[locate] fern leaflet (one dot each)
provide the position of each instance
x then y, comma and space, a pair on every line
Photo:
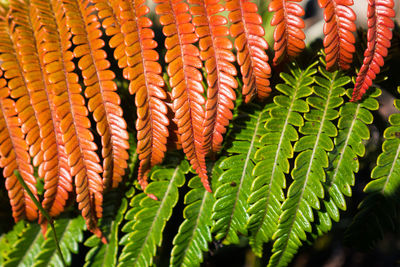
102, 254
308, 173
343, 160
230, 208
70, 234
26, 247
8, 240
147, 218
378, 210
272, 157
195, 232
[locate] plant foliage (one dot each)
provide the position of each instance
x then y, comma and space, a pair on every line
281, 175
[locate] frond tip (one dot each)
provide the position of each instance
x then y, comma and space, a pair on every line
338, 29
380, 25
288, 35
250, 46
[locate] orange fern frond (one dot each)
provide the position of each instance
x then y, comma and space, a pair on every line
215, 50
52, 27
250, 45
288, 35
380, 25
20, 89
134, 49
14, 156
184, 63
104, 102
54, 168
338, 29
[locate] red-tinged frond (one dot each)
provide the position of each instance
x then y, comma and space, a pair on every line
13, 68
54, 168
134, 44
380, 25
215, 50
14, 156
250, 45
185, 79
104, 102
51, 28
338, 29
288, 35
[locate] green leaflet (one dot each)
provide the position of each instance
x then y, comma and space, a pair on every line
378, 211
230, 208
308, 173
26, 247
272, 157
102, 254
8, 240
147, 217
343, 160
69, 233
194, 233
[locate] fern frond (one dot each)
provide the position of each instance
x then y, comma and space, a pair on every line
13, 70
8, 240
14, 156
250, 47
102, 254
288, 34
55, 41
185, 79
230, 208
70, 234
308, 173
194, 233
26, 247
134, 44
272, 157
100, 89
147, 217
378, 210
343, 160
54, 168
380, 25
338, 29
215, 51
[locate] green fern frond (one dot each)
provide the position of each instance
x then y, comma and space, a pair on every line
147, 217
272, 157
343, 160
308, 173
378, 211
8, 240
195, 232
102, 254
26, 247
70, 235
230, 208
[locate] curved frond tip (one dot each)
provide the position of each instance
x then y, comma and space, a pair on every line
338, 29
380, 25
288, 34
